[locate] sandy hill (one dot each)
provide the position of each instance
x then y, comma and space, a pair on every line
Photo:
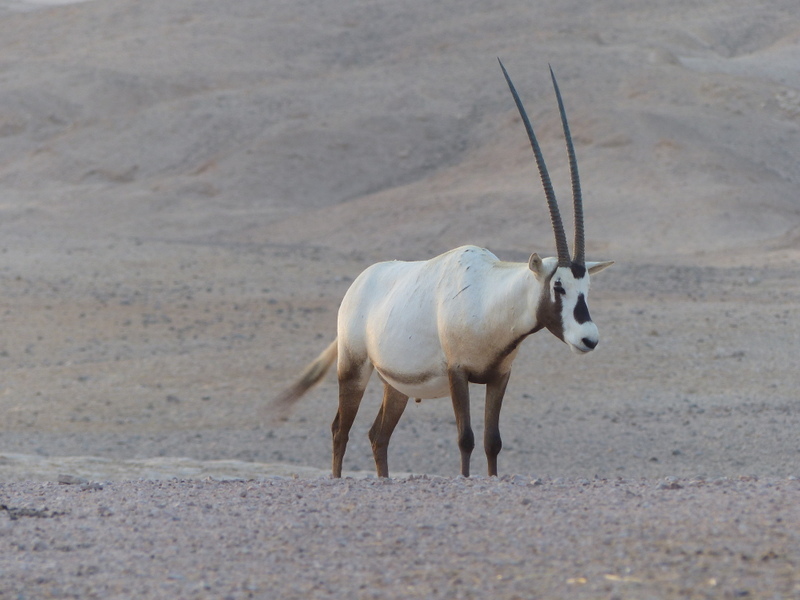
189, 186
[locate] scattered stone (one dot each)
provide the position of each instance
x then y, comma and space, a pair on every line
669, 483
36, 513
66, 479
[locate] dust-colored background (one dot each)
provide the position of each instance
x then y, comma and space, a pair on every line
188, 188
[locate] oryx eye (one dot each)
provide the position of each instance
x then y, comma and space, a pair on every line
558, 288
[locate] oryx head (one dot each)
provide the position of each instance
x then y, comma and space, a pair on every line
562, 307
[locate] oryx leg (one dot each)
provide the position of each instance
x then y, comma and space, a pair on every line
394, 403
495, 390
459, 393
353, 380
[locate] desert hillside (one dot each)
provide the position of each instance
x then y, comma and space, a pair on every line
189, 187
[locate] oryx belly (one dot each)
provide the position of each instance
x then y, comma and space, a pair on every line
429, 386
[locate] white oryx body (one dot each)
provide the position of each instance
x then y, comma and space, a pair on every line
415, 321
430, 328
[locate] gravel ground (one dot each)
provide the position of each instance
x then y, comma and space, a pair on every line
413, 537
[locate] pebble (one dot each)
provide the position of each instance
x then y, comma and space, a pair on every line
66, 479
669, 483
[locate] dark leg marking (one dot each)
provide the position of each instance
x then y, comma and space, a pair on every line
351, 390
492, 443
459, 393
394, 403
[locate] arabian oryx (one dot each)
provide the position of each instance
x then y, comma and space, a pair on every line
431, 328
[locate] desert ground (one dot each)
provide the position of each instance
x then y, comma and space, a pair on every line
188, 188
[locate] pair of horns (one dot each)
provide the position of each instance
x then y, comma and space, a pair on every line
555, 215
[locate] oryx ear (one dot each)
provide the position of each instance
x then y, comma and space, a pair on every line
535, 264
596, 267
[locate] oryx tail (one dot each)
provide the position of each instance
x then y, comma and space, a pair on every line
311, 376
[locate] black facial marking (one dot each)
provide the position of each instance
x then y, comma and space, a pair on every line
581, 312
578, 271
549, 313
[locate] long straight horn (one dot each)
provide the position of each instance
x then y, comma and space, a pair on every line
577, 198
555, 216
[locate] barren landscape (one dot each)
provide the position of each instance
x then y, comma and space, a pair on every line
188, 190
